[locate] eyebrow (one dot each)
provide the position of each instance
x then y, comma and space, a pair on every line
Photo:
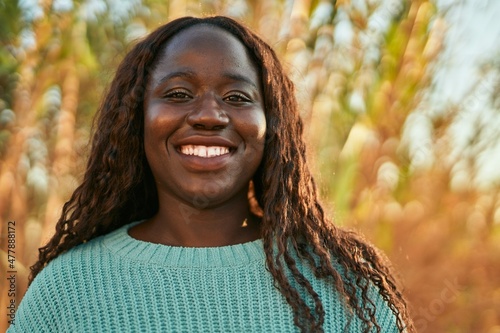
173, 75
189, 75
241, 78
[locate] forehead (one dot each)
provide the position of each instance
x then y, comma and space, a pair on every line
207, 41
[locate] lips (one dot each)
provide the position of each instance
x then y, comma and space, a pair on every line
200, 153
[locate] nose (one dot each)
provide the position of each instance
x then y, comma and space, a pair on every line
208, 114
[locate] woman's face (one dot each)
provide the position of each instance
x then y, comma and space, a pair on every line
204, 123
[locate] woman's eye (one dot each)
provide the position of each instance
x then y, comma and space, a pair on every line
177, 95
238, 98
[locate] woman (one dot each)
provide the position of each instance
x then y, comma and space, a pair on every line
197, 211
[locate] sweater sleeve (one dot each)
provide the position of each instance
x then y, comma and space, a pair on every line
386, 319
39, 308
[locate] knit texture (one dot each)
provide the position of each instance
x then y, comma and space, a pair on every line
116, 283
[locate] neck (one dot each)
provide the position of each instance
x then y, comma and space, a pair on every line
181, 224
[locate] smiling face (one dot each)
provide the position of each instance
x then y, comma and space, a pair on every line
204, 123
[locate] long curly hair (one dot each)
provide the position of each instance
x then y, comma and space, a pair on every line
118, 188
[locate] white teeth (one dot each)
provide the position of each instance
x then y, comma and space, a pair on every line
204, 151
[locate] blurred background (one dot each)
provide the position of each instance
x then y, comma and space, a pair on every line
401, 101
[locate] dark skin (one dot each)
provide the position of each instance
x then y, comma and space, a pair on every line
204, 140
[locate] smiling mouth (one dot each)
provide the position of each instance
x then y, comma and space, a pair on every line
204, 151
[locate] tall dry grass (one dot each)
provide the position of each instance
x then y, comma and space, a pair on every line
360, 74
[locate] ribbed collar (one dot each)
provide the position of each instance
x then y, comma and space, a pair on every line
122, 244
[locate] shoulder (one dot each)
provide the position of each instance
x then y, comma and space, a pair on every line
81, 260
367, 295
76, 261
78, 264
57, 287
370, 300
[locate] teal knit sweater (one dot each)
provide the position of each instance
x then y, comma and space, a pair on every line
116, 283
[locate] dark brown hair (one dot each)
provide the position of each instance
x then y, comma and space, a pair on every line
118, 188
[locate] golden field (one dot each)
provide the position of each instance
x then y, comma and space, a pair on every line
362, 74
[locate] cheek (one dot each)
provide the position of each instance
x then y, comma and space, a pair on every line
152, 120
156, 132
262, 129
150, 137
257, 127
158, 122
256, 137
150, 148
